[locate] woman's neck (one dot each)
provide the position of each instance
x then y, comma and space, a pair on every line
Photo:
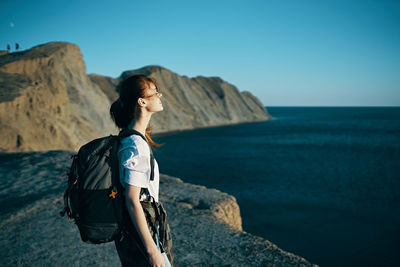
140, 124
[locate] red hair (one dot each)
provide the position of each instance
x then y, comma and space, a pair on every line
124, 109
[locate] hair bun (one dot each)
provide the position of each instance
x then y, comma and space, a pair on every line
120, 102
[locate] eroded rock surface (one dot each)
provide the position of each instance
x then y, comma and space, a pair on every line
205, 223
48, 102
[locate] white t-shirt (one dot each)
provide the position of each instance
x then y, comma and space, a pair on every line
134, 165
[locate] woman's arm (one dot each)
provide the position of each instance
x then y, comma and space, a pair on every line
138, 218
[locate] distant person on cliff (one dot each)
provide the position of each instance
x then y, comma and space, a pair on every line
139, 98
8, 47
16, 46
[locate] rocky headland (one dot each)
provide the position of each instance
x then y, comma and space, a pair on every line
48, 104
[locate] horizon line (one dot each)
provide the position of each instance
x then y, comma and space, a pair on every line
371, 106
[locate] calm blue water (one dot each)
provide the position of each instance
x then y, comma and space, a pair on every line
323, 183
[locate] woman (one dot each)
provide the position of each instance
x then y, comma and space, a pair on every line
139, 98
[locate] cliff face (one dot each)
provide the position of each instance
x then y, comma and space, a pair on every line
200, 101
48, 102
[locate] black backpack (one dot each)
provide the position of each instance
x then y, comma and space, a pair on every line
94, 195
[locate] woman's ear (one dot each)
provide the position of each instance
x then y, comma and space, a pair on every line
141, 101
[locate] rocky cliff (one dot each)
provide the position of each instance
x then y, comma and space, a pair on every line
205, 223
47, 101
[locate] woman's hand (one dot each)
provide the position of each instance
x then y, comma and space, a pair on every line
157, 258
139, 220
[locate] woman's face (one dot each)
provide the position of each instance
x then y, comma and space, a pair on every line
152, 99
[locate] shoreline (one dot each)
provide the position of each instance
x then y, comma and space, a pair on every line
167, 132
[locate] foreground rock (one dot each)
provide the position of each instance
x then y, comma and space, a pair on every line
46, 89
205, 223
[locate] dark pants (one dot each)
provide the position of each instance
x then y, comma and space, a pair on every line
131, 251
130, 247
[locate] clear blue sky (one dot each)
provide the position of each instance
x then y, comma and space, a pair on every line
287, 53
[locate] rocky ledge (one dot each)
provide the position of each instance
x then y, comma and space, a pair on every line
205, 223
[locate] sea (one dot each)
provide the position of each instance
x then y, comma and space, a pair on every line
320, 182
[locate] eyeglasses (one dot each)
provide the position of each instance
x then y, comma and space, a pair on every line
157, 93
